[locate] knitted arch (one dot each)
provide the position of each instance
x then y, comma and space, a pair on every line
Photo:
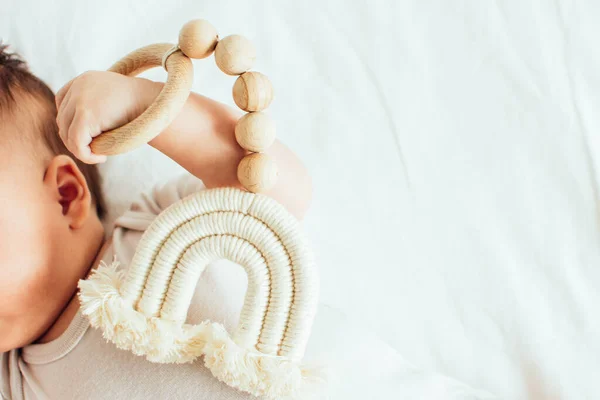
145, 310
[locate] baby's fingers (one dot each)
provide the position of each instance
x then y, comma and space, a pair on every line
80, 134
60, 95
64, 118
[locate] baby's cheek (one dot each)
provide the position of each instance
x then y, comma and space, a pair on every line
27, 239
24, 251
25, 283
22, 307
25, 300
25, 273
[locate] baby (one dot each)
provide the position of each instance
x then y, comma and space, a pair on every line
51, 232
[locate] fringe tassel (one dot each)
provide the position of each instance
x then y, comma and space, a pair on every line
163, 341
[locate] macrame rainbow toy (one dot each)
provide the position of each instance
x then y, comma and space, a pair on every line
144, 310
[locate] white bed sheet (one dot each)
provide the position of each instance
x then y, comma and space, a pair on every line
455, 153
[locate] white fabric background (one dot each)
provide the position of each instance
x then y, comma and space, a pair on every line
454, 149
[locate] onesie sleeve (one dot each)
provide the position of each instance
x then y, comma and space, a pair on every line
145, 209
165, 194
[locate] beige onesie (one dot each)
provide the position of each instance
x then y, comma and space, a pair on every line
80, 364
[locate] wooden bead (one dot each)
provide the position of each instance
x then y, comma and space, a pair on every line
255, 131
257, 172
198, 38
252, 91
235, 54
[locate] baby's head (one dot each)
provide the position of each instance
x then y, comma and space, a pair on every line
50, 209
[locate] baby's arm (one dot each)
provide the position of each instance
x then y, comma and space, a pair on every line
201, 139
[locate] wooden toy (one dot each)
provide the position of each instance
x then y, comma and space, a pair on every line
255, 132
144, 309
235, 55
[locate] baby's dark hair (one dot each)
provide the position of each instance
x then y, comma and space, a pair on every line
18, 84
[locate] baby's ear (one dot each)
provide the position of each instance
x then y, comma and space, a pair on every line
70, 188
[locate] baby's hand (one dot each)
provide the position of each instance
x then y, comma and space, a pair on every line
90, 104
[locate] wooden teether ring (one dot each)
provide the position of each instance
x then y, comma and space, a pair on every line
252, 92
165, 108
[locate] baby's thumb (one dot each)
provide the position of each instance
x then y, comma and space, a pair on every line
80, 134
